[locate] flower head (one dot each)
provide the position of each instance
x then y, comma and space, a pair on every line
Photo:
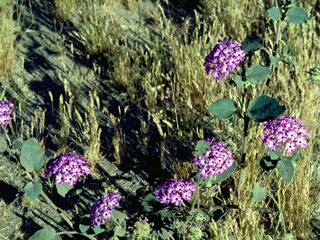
67, 168
216, 160
102, 208
174, 191
287, 131
224, 58
6, 108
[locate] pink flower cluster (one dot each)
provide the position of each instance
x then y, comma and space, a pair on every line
102, 208
6, 108
285, 130
224, 58
174, 191
67, 167
216, 160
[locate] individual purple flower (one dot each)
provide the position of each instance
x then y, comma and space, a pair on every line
6, 108
287, 131
174, 191
216, 160
224, 58
67, 167
102, 208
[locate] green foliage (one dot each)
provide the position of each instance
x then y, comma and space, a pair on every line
63, 189
223, 176
286, 50
142, 230
264, 108
296, 15
257, 73
274, 13
201, 147
47, 233
259, 193
285, 168
31, 155
33, 190
274, 155
3, 144
17, 144
119, 218
223, 108
267, 163
251, 44
147, 202
238, 81
86, 228
274, 60
3, 91
315, 74
195, 233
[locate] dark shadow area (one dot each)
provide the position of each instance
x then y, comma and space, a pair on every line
8, 193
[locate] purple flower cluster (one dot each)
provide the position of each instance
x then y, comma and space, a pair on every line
216, 160
224, 58
285, 130
6, 108
102, 208
174, 191
67, 168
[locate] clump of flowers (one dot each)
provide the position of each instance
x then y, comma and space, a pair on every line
224, 58
6, 108
67, 167
102, 208
287, 131
216, 160
175, 191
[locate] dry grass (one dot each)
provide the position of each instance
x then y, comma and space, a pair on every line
171, 76
7, 38
166, 75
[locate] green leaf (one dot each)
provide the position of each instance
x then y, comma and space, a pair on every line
17, 144
223, 108
201, 147
264, 108
252, 44
259, 193
223, 176
63, 189
257, 73
274, 13
274, 60
33, 190
84, 228
119, 231
3, 91
147, 202
274, 155
238, 81
119, 217
286, 169
296, 15
286, 50
31, 155
47, 233
3, 144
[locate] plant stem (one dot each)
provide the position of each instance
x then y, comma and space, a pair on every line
7, 136
64, 215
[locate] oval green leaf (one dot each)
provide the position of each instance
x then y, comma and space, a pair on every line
63, 189
257, 73
296, 15
251, 44
274, 13
259, 193
223, 108
201, 147
47, 233
17, 144
264, 108
223, 176
31, 155
3, 144
33, 190
286, 169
